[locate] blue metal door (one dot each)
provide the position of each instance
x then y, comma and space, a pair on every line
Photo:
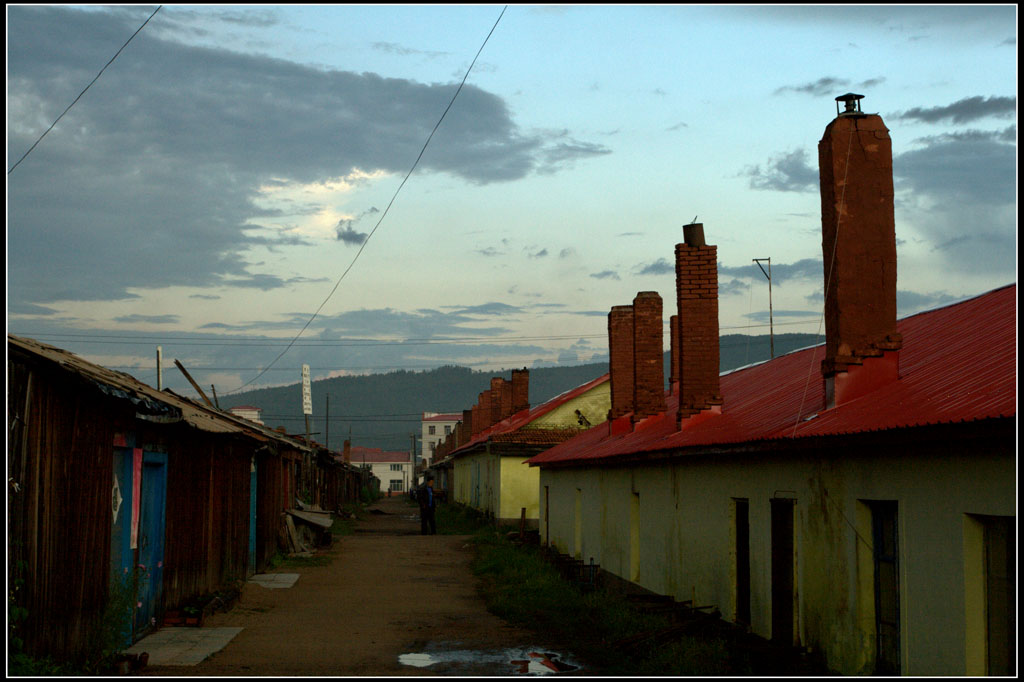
122, 555
251, 569
151, 540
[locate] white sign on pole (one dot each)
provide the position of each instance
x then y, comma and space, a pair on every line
307, 394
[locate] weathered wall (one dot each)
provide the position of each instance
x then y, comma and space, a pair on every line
685, 532
519, 486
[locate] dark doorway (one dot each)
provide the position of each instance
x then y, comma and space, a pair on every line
1000, 597
742, 560
782, 571
887, 587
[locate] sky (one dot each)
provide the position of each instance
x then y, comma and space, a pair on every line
235, 181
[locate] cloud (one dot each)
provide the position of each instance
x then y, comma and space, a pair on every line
394, 48
658, 267
489, 309
965, 110
172, 147
961, 187
787, 172
539, 254
349, 235
822, 86
567, 252
804, 269
829, 85
605, 274
733, 287
148, 319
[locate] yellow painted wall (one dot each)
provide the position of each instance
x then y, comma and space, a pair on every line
594, 404
498, 486
520, 487
682, 516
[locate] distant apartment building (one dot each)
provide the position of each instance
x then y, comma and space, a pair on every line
435, 427
249, 412
393, 469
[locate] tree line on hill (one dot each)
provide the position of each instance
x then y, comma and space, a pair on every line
384, 410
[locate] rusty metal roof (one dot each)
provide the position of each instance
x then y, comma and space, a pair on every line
150, 404
958, 364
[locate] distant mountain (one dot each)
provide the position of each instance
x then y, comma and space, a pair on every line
384, 410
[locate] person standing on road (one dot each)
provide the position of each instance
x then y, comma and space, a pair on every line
428, 503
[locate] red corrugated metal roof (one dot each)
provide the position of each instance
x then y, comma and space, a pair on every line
359, 454
524, 417
957, 364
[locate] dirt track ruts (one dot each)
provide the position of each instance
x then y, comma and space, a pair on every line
388, 591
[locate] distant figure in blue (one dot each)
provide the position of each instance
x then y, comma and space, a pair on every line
428, 503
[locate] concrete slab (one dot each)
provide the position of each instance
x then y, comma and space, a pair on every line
275, 581
183, 646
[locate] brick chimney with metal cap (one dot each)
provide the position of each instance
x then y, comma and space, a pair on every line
859, 248
697, 296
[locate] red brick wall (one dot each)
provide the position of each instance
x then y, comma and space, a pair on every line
648, 355
497, 384
620, 350
486, 411
477, 422
697, 295
858, 240
467, 427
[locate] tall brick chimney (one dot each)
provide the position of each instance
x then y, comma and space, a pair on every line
486, 413
620, 360
648, 356
477, 422
347, 452
520, 390
506, 399
496, 395
858, 243
697, 295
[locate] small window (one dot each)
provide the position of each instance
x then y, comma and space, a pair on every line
431, 430
396, 467
447, 430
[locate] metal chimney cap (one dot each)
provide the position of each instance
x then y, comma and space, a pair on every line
852, 102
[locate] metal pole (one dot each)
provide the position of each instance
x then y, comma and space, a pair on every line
771, 316
159, 368
327, 423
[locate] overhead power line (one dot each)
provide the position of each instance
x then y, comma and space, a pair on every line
23, 156
386, 209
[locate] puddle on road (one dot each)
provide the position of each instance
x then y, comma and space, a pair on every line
503, 662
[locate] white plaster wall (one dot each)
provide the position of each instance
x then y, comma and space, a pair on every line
687, 540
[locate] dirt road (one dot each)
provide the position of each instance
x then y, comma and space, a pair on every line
391, 602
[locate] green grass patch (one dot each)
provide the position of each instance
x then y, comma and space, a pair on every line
523, 588
458, 519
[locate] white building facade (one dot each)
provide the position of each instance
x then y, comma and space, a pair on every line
435, 428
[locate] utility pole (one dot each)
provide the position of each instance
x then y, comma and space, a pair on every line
159, 368
771, 321
327, 423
